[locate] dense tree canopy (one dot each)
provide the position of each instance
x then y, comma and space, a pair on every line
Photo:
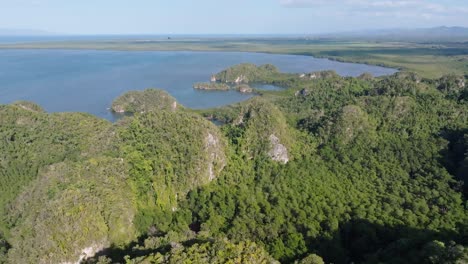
376, 173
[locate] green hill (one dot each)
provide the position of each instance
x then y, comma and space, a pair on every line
142, 101
331, 170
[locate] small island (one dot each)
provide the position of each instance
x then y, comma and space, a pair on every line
239, 77
212, 86
143, 101
216, 86
248, 73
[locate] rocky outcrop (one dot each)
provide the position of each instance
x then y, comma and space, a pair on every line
216, 157
278, 152
452, 84
189, 152
265, 131
29, 106
319, 75
239, 120
118, 109
366, 76
243, 88
302, 92
241, 79
88, 253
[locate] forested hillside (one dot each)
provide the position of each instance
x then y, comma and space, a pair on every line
328, 170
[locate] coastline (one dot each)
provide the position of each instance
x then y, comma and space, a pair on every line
424, 59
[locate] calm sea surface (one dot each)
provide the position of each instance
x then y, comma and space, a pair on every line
88, 81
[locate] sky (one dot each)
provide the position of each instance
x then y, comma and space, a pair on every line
228, 16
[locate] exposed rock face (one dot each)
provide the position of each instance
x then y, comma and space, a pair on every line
29, 106
265, 131
88, 252
278, 152
243, 88
303, 92
319, 75
451, 84
216, 160
213, 78
366, 76
460, 81
241, 79
239, 120
119, 109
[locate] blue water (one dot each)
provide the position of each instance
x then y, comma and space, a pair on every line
88, 81
77, 38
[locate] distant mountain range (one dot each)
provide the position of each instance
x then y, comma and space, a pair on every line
450, 34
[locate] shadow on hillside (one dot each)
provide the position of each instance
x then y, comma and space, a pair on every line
134, 250
357, 241
360, 241
454, 158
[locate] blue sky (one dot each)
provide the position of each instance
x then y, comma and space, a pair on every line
227, 16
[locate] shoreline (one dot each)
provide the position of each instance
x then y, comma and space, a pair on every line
208, 50
428, 60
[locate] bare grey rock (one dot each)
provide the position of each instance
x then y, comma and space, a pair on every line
303, 92
216, 160
278, 151
88, 252
241, 79
244, 88
239, 120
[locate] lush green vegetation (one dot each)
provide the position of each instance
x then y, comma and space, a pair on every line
332, 169
169, 154
201, 251
32, 140
245, 73
141, 101
212, 86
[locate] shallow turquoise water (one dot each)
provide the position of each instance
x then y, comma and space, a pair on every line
88, 81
